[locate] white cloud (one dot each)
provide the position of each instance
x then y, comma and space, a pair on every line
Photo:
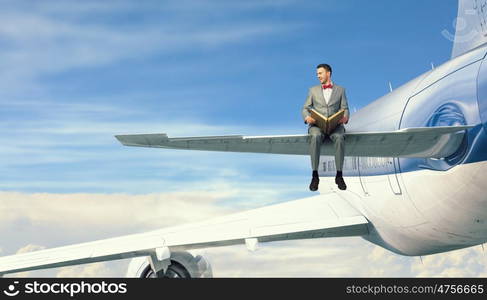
109, 210
26, 249
341, 257
30, 248
88, 270
469, 262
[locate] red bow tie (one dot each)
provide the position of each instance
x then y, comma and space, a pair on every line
327, 86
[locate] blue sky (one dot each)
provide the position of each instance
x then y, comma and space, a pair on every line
76, 73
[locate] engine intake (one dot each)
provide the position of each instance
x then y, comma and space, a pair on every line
184, 264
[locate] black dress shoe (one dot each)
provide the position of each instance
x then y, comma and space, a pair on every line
340, 182
313, 186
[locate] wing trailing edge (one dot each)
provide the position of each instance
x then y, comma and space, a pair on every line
420, 142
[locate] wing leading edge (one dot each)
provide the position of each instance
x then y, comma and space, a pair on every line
315, 217
425, 142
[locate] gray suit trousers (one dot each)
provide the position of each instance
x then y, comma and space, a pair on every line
316, 139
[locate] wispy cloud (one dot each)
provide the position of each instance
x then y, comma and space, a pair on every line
54, 39
73, 150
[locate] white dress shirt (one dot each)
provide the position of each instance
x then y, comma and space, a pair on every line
327, 93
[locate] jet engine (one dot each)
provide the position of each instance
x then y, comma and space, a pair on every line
184, 264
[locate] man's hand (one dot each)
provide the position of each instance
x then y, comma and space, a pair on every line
310, 120
344, 120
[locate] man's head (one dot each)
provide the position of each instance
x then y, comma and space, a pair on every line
323, 72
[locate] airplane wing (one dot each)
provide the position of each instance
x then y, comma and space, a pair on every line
426, 142
325, 215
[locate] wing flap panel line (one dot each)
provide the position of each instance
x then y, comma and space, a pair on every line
422, 142
237, 143
343, 231
429, 142
351, 226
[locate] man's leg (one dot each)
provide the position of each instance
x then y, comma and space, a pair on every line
316, 138
338, 138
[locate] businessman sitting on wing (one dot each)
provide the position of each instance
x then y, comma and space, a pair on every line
326, 98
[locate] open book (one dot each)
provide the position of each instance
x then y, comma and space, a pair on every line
327, 124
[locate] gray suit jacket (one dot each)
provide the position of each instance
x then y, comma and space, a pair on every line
315, 99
